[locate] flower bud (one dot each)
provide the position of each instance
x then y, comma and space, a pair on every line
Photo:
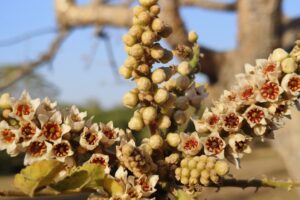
200, 165
147, 148
170, 84
157, 25
127, 149
137, 51
184, 180
221, 168
173, 139
195, 173
130, 62
125, 72
184, 162
215, 179
148, 3
173, 158
184, 68
136, 123
155, 10
164, 122
138, 9
156, 141
136, 31
167, 57
129, 40
157, 52
193, 181
144, 18
205, 174
130, 99
5, 113
161, 96
196, 101
5, 101
279, 54
166, 32
288, 65
182, 103
180, 117
144, 69
182, 82
193, 37
192, 164
158, 76
149, 114
185, 172
143, 84
148, 38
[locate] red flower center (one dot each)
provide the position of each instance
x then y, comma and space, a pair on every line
269, 68
255, 115
270, 91
231, 120
144, 183
37, 149
23, 109
213, 120
27, 131
52, 131
108, 132
191, 144
241, 145
247, 93
61, 150
8, 136
98, 160
294, 84
214, 144
91, 138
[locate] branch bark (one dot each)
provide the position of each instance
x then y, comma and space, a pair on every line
26, 68
207, 4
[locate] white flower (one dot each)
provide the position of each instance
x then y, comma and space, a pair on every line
8, 139
212, 120
239, 145
147, 184
90, 137
76, 119
25, 107
61, 150
246, 88
269, 92
28, 132
190, 144
278, 111
232, 121
36, 151
255, 115
54, 128
230, 98
101, 159
46, 109
110, 134
291, 84
269, 69
214, 145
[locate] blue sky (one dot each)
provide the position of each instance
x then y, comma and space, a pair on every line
69, 72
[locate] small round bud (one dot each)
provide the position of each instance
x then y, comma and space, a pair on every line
137, 10
130, 99
170, 84
221, 168
166, 32
196, 100
136, 31
184, 180
215, 179
205, 174
127, 149
204, 181
155, 10
195, 173
173, 158
5, 113
203, 158
192, 164
143, 84
193, 181
125, 72
144, 18
180, 117
184, 68
157, 25
178, 171
211, 159
167, 57
173, 139
147, 148
157, 52
182, 82
279, 54
161, 96
164, 122
200, 166
185, 172
148, 38
288, 65
129, 40
136, 123
158, 76
148, 3
144, 69
149, 114
182, 103
131, 62
184, 163
193, 37
209, 165
137, 51
156, 141
5, 101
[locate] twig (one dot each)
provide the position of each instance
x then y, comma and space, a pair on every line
26, 36
207, 4
25, 68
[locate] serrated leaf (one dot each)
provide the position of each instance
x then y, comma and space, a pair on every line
111, 186
37, 175
74, 182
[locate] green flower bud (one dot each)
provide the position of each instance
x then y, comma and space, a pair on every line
178, 171
136, 123
184, 180
288, 65
185, 172
158, 76
195, 173
193, 181
204, 181
164, 122
205, 174
173, 139
192, 164
184, 163
149, 114
200, 165
143, 84
221, 168
130, 99
156, 141
125, 72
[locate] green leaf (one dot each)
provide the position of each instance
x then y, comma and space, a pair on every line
37, 175
96, 174
182, 195
72, 183
112, 186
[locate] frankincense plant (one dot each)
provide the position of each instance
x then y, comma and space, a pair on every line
68, 152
